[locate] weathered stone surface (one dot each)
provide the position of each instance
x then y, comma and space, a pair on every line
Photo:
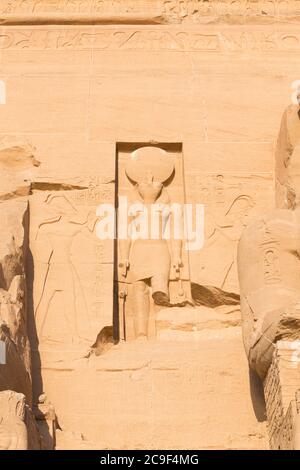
148, 11
269, 274
46, 423
88, 83
269, 285
18, 430
13, 427
173, 381
16, 163
282, 396
15, 374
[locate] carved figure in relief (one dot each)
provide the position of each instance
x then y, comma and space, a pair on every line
146, 259
61, 276
223, 229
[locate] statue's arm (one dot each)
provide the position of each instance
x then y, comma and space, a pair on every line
176, 239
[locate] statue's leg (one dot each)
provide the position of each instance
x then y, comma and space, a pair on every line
141, 304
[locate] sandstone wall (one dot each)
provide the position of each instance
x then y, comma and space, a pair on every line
212, 75
83, 76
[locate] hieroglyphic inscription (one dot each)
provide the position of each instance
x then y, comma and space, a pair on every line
106, 38
94, 196
270, 257
90, 199
100, 281
271, 262
161, 38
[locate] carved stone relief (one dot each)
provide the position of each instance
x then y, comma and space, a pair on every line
148, 39
74, 279
160, 11
147, 72
150, 179
231, 202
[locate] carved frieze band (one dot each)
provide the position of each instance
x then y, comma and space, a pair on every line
148, 11
147, 38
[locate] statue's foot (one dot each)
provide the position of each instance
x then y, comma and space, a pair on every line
161, 298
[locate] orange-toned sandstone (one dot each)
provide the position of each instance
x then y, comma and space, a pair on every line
140, 345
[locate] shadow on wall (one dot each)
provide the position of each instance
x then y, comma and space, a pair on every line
104, 341
257, 396
37, 383
209, 296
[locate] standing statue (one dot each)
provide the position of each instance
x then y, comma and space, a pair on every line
286, 158
146, 259
268, 258
269, 275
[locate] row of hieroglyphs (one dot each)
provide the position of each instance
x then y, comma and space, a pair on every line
77, 6
174, 9
107, 38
